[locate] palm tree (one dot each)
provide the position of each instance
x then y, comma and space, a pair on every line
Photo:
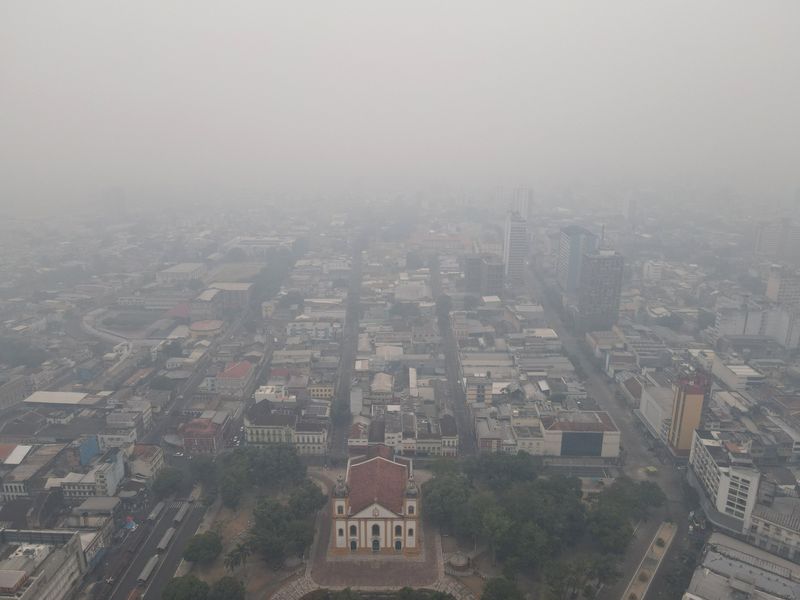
238, 557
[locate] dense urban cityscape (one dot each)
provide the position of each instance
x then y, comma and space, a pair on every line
264, 401
358, 300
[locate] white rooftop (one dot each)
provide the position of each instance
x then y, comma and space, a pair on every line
44, 397
17, 455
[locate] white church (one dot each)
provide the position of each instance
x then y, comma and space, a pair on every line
375, 509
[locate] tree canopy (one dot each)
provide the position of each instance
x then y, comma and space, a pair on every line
188, 587
276, 465
529, 521
203, 548
168, 481
282, 530
15, 353
500, 588
226, 588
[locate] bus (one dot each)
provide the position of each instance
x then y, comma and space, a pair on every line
165, 540
179, 516
148, 570
154, 514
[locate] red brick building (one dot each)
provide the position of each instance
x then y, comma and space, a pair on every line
202, 436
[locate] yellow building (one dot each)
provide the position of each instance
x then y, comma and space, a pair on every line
687, 411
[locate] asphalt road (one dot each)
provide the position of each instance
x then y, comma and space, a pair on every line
347, 356
457, 398
168, 562
636, 452
172, 558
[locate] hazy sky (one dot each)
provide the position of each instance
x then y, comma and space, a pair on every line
172, 99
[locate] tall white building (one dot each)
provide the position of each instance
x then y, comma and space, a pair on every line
726, 474
780, 322
522, 202
652, 270
783, 286
515, 247
574, 242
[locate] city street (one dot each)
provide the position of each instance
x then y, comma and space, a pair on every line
168, 562
467, 445
347, 356
636, 453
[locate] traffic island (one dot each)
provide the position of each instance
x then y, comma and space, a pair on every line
640, 583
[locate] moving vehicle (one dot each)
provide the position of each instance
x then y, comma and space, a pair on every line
148, 570
165, 540
179, 516
156, 512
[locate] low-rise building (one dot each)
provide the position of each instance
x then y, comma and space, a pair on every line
146, 461
321, 391
28, 476
206, 306
731, 570
776, 527
736, 377
40, 564
275, 394
102, 479
580, 433
202, 436
310, 437
235, 295
181, 273
235, 379
116, 438
264, 426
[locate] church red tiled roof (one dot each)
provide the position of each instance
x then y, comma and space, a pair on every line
377, 480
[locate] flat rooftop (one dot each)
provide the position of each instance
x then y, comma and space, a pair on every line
231, 286
34, 462
579, 421
66, 398
184, 268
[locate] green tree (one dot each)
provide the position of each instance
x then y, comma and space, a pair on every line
298, 535
231, 489
238, 556
306, 499
495, 526
188, 587
499, 471
15, 353
203, 548
441, 498
168, 481
526, 548
226, 588
500, 588
610, 528
202, 468
581, 575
